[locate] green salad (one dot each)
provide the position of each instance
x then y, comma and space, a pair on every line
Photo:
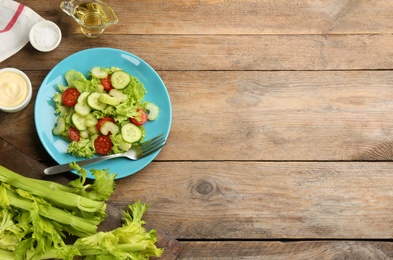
102, 114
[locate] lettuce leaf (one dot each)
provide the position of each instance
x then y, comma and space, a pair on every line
83, 148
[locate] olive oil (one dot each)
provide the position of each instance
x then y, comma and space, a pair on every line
93, 16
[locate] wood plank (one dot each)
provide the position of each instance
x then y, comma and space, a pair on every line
253, 250
237, 17
328, 115
239, 52
280, 115
265, 200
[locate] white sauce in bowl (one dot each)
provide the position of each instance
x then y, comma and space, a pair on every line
13, 89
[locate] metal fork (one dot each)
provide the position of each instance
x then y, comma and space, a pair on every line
136, 152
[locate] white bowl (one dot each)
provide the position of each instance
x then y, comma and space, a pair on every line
7, 86
45, 36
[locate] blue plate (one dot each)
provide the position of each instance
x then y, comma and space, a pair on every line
44, 111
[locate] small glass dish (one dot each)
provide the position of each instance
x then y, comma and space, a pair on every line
93, 16
15, 90
45, 36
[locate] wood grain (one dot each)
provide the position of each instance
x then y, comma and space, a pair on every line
254, 250
237, 17
265, 200
230, 52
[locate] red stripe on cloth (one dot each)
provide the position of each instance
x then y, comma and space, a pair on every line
13, 19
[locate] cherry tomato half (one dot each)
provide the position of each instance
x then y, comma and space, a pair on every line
103, 144
74, 134
70, 96
106, 82
141, 119
103, 120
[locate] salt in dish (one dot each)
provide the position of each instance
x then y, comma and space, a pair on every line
45, 36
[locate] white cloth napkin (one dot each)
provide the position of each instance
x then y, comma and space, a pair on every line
16, 21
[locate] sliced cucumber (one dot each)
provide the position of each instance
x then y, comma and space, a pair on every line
109, 127
107, 99
121, 97
94, 102
91, 120
153, 111
100, 88
131, 133
79, 121
60, 126
81, 107
82, 99
97, 72
124, 146
84, 133
120, 79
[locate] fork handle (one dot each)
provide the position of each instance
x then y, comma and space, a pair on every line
66, 167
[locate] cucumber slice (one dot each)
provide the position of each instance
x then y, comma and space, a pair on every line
83, 97
94, 102
107, 99
99, 73
60, 126
91, 120
109, 127
131, 133
120, 79
79, 121
121, 97
100, 88
81, 107
84, 134
152, 111
124, 146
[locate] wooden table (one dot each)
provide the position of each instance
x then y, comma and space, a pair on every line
282, 134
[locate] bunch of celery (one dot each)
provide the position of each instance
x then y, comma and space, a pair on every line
36, 216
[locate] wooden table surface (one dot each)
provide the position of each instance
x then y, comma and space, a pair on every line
282, 131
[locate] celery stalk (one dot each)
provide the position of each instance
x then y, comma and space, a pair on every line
79, 224
34, 219
6, 255
54, 185
57, 197
115, 244
84, 250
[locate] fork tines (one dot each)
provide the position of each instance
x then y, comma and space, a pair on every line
152, 145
